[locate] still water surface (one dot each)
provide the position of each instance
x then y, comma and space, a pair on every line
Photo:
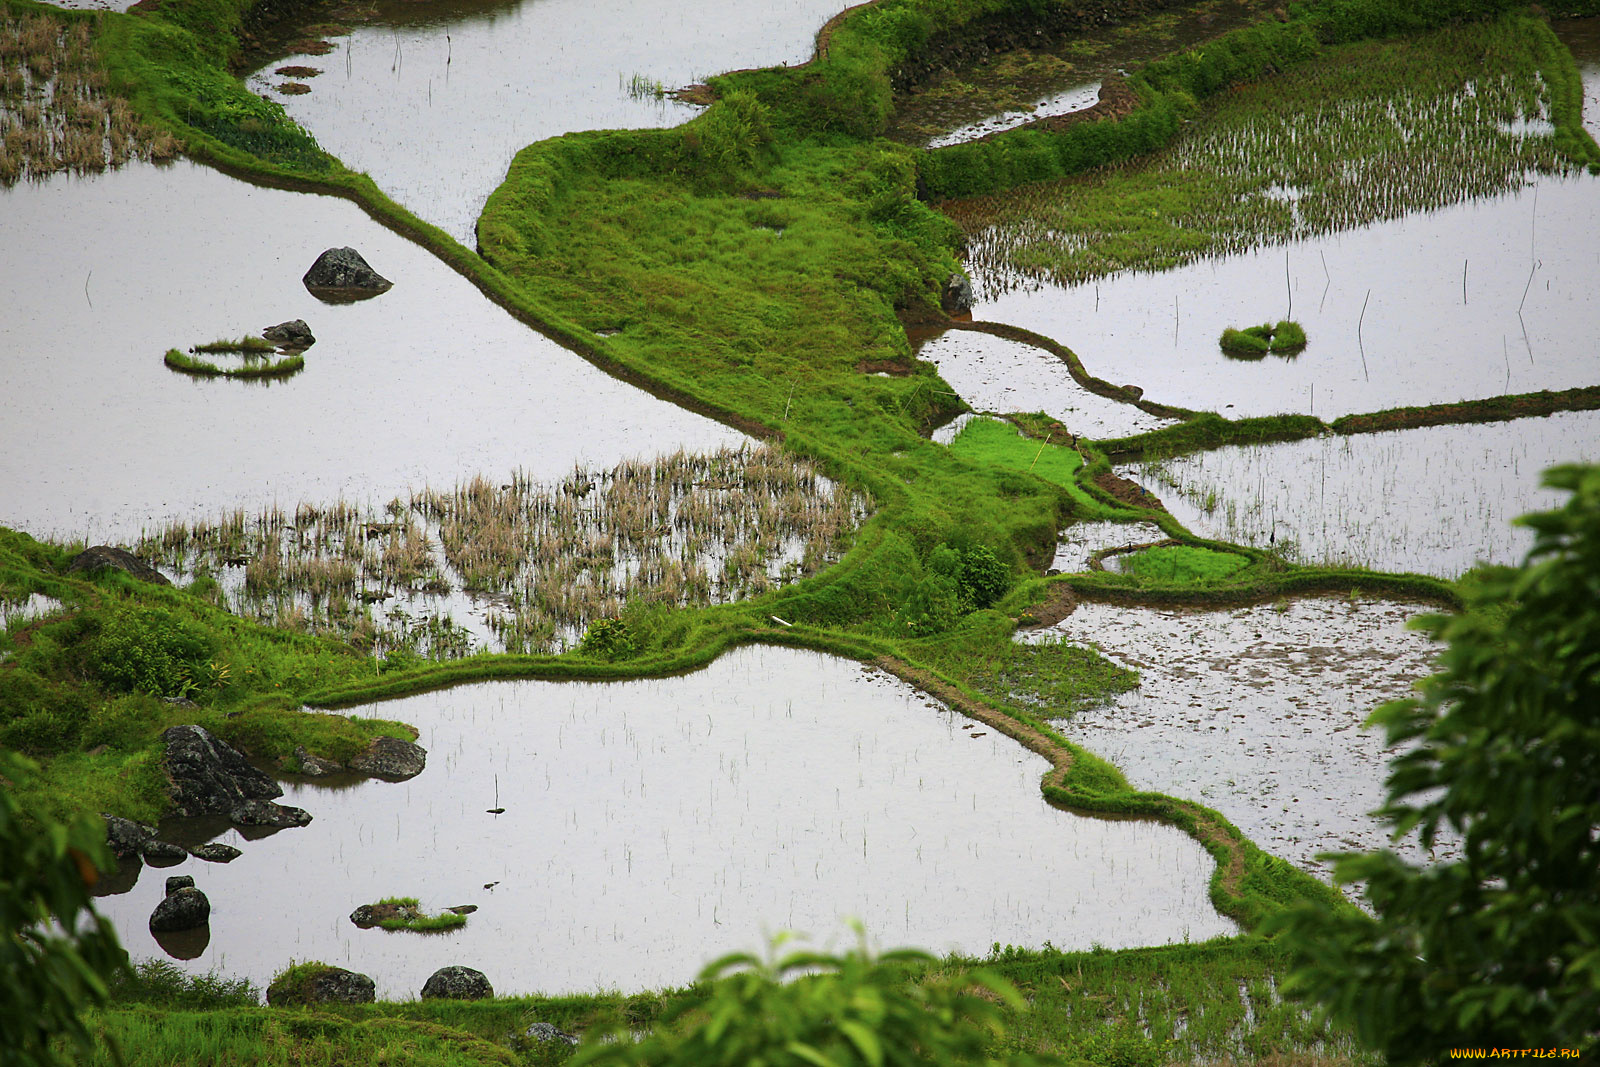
428, 383
652, 825
434, 100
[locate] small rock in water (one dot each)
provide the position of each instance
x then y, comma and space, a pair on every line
340, 274
179, 881
392, 758
463, 909
370, 915
162, 854
293, 335
182, 909
126, 837
957, 297
457, 983
315, 766
267, 813
215, 852
546, 1032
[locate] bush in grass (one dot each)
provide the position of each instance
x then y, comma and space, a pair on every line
1252, 342
56, 954
608, 639
39, 718
1288, 337
807, 1008
148, 651
983, 578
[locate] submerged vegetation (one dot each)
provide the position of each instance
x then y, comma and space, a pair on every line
677, 530
56, 112
252, 367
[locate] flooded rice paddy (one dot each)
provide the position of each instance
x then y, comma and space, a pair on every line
1257, 712
650, 825
1582, 38
1003, 376
1005, 90
434, 100
428, 383
1383, 308
1083, 539
1436, 500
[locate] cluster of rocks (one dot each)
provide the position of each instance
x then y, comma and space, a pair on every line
338, 985
208, 777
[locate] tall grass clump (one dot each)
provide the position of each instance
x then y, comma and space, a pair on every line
56, 113
555, 560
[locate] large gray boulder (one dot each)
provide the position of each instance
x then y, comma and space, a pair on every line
101, 557
208, 776
340, 274
328, 984
456, 983
182, 909
392, 758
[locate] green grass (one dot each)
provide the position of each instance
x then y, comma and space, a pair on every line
1288, 338
1252, 342
247, 343
1000, 444
412, 918
1370, 131
200, 368
1182, 565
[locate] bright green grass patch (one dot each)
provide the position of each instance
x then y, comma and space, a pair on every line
409, 916
998, 443
1252, 342
1288, 337
247, 343
271, 368
1181, 565
1370, 131
262, 1037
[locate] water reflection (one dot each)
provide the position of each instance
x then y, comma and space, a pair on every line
434, 106
1384, 309
651, 825
430, 382
1436, 500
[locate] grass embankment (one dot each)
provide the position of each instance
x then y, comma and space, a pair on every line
1207, 1002
1365, 131
88, 689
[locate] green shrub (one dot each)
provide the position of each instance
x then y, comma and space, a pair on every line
1252, 342
146, 650
1288, 338
984, 579
732, 135
608, 639
39, 718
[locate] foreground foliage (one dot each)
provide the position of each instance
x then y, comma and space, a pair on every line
56, 955
1502, 947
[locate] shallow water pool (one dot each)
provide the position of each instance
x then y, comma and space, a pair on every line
652, 825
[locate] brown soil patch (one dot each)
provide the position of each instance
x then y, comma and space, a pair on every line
1060, 602
1128, 492
294, 88
313, 48
885, 366
298, 72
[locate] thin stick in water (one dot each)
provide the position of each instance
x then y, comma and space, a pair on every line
1359, 342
